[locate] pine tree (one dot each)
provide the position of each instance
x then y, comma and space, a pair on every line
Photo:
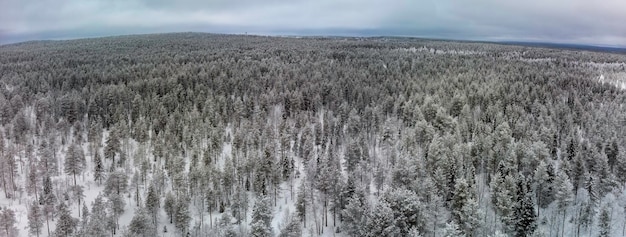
141, 224
301, 203
544, 188
452, 230
620, 167
585, 216
564, 195
35, 219
98, 172
117, 182
504, 191
84, 222
112, 146
181, 214
48, 199
604, 223
152, 204
116, 205
169, 205
74, 161
293, 228
261, 218
355, 216
7, 222
406, 208
605, 176
97, 221
381, 221
66, 225
525, 211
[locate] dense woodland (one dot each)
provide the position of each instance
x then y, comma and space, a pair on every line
192, 134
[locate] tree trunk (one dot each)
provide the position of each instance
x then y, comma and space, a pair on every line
325, 211
47, 224
563, 224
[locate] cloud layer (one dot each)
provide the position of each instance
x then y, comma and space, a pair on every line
566, 21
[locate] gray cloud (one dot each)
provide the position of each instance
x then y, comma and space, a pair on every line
567, 21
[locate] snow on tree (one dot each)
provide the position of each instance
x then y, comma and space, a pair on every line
98, 172
260, 225
74, 161
117, 182
544, 178
112, 146
7, 222
66, 224
407, 210
292, 229
525, 212
604, 223
97, 221
116, 206
84, 222
141, 225
182, 215
35, 219
452, 230
504, 192
381, 221
48, 200
77, 193
564, 195
465, 208
355, 216
169, 205
152, 204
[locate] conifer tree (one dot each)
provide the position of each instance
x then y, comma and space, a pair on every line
169, 205
35, 219
7, 222
181, 214
141, 225
66, 224
525, 212
98, 172
74, 161
604, 223
97, 222
564, 195
292, 229
153, 204
260, 225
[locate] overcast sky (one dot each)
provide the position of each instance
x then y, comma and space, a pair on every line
562, 21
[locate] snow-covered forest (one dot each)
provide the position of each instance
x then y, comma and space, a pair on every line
191, 134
